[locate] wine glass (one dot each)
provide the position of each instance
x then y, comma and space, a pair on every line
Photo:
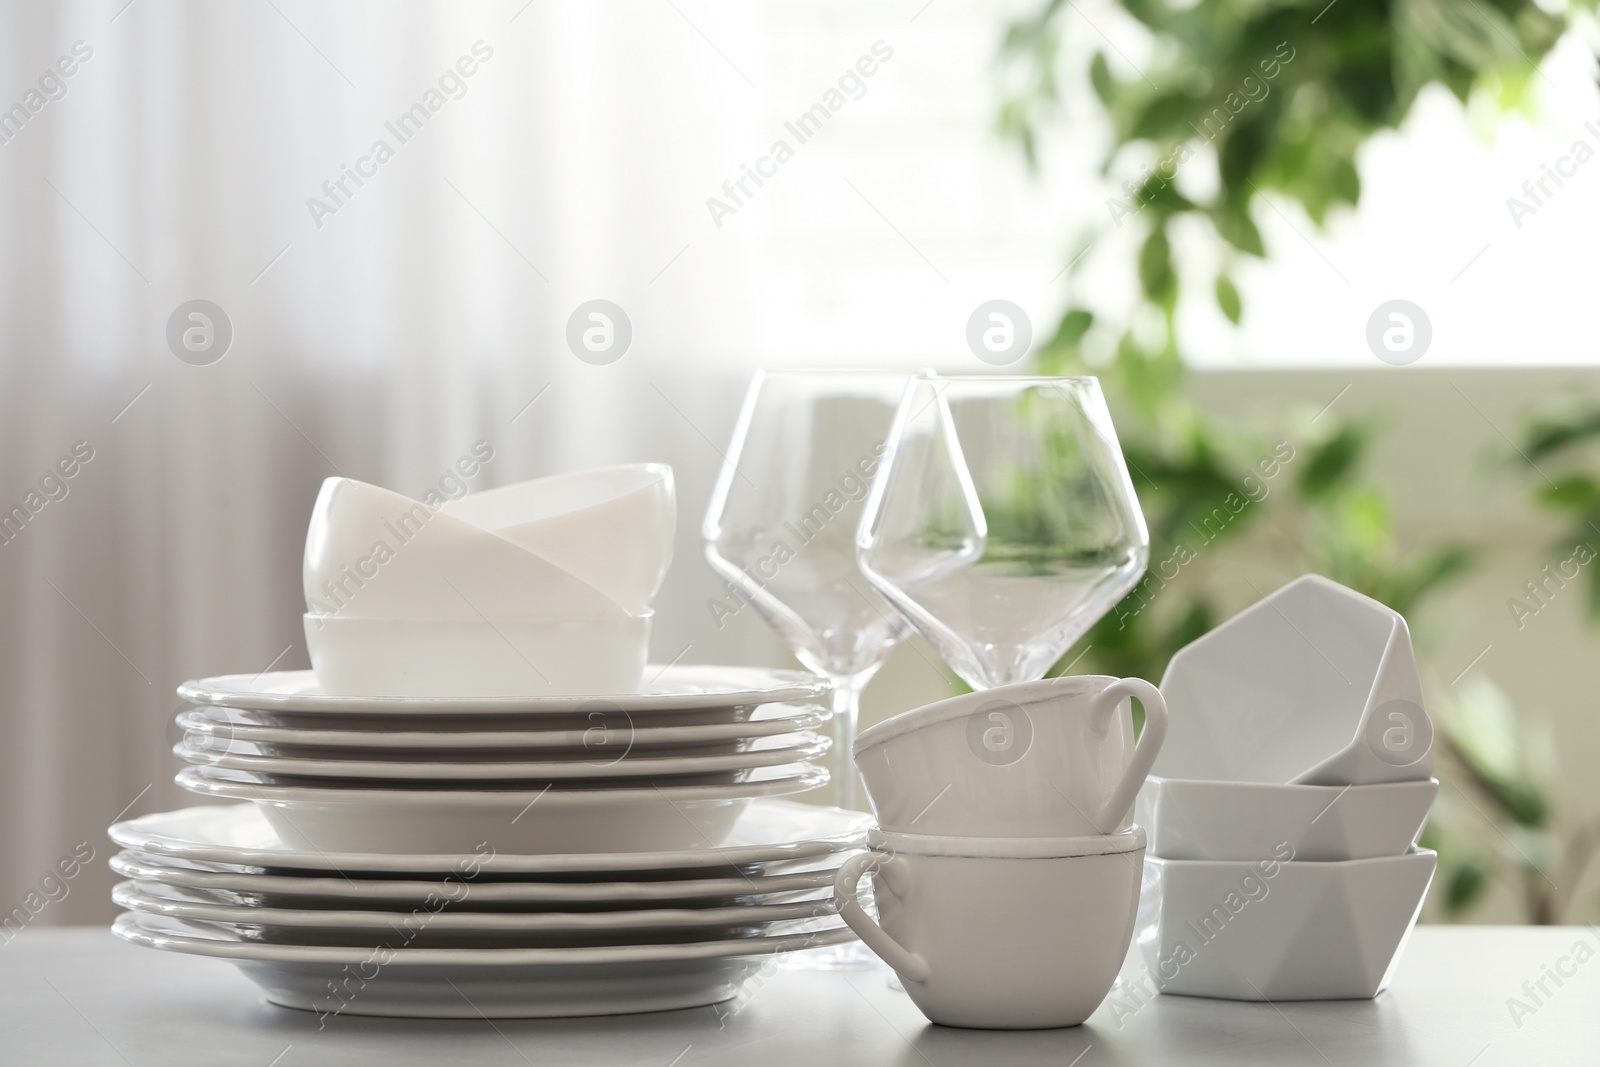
1002, 521
782, 523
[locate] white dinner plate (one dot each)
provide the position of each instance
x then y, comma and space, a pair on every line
688, 687
246, 885
551, 819
768, 831
768, 720
591, 765
442, 917
480, 983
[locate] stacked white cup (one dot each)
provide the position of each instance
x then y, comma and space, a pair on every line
1006, 870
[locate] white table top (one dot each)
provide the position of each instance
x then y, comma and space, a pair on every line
78, 997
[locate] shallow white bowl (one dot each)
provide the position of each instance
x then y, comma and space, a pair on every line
547, 820
378, 554
1200, 820
1314, 685
477, 658
612, 527
1273, 930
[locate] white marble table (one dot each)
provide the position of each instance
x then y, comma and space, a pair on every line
78, 997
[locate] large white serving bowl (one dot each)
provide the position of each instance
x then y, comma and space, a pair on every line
612, 527
547, 820
1272, 930
359, 656
673, 695
378, 554
477, 983
599, 729
1199, 820
241, 885
591, 766
1314, 684
770, 831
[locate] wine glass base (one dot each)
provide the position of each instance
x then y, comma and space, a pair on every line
852, 956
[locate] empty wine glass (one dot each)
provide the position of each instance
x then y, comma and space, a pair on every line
782, 524
1002, 522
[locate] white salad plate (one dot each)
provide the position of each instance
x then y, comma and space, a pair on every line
527, 821
332, 890
769, 720
479, 983
599, 763
443, 917
768, 831
683, 687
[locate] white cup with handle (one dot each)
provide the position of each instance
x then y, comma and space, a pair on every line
1053, 758
999, 933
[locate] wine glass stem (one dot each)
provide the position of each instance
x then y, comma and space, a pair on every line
846, 713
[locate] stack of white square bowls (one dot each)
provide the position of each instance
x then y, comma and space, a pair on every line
1006, 872
1283, 812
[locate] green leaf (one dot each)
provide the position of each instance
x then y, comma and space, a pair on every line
1549, 436
1234, 225
1331, 462
1466, 886
1105, 86
1156, 276
1572, 493
1165, 118
1228, 298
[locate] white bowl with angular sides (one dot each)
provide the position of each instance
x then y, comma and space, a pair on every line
1314, 684
1053, 758
1278, 929
378, 554
612, 527
358, 656
1199, 820
999, 934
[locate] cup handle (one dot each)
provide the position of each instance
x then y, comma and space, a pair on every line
910, 965
1115, 809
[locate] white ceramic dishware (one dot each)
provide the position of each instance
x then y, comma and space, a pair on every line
770, 883
547, 819
612, 527
470, 658
483, 983
1314, 684
673, 695
1200, 820
768, 831
377, 554
1277, 929
1053, 758
227, 727
589, 764
999, 933
444, 920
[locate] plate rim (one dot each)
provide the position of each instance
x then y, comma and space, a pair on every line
136, 834
245, 691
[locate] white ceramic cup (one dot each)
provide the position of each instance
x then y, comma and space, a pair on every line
1053, 758
999, 934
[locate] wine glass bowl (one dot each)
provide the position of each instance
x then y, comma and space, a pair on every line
1002, 521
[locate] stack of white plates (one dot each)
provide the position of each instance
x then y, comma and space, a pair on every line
506, 856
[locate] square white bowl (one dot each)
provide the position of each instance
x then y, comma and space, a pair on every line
1279, 930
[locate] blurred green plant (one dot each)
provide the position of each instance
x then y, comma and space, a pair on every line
1273, 98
